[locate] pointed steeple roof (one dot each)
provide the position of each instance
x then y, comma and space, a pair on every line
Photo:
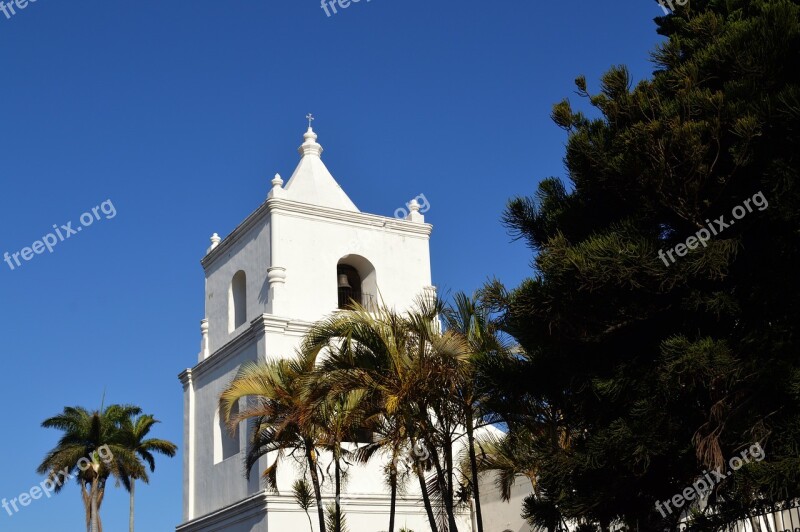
311, 181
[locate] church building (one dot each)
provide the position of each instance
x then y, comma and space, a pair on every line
305, 252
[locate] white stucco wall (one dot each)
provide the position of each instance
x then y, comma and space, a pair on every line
307, 242
247, 250
289, 248
311, 244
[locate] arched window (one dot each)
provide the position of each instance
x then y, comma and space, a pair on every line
237, 302
225, 444
355, 282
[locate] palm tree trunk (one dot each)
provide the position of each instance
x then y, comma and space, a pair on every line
87, 506
473, 462
93, 495
426, 499
338, 522
312, 466
393, 497
448, 456
444, 485
130, 518
101, 492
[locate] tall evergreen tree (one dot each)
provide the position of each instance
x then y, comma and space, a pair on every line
666, 339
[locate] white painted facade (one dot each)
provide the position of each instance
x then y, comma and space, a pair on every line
266, 283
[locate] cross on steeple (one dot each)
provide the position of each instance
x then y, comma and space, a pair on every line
310, 119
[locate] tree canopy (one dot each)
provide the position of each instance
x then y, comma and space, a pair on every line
658, 370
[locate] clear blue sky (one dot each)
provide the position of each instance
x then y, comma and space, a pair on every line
180, 112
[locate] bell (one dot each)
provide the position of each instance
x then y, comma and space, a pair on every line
343, 282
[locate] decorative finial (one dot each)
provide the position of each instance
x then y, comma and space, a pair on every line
310, 146
277, 187
414, 214
215, 240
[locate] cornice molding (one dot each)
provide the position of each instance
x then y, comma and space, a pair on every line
283, 325
185, 377
354, 503
262, 324
306, 210
316, 212
252, 506
233, 346
226, 243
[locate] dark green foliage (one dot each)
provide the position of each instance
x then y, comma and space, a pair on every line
335, 519
542, 514
659, 371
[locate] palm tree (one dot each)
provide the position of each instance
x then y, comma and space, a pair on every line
446, 357
517, 453
389, 437
509, 456
340, 418
88, 436
405, 366
368, 352
536, 427
351, 367
281, 415
134, 436
467, 317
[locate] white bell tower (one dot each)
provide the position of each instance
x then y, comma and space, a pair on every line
302, 254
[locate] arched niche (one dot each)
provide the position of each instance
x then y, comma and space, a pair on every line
356, 280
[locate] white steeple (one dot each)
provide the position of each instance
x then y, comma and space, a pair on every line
311, 181
303, 254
